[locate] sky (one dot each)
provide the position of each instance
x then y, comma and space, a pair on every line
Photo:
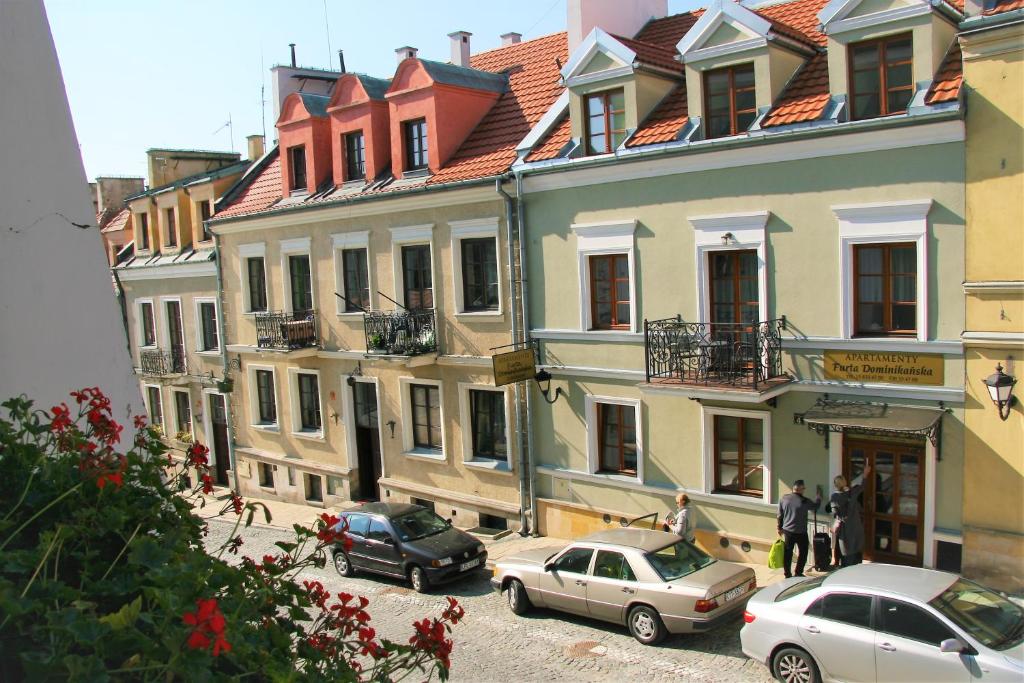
170, 73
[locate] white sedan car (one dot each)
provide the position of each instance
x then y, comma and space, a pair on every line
879, 622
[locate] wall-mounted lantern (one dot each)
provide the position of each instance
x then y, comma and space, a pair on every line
543, 379
1000, 390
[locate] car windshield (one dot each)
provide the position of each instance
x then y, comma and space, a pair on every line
418, 524
798, 588
992, 619
678, 560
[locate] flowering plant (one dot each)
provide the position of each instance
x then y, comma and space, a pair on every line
104, 569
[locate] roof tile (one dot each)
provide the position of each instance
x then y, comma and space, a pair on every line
665, 122
552, 144
946, 86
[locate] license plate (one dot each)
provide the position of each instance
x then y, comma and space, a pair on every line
469, 565
735, 592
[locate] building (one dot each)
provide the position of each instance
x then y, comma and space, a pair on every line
744, 246
114, 220
366, 271
992, 40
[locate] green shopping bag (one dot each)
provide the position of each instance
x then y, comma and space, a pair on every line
776, 554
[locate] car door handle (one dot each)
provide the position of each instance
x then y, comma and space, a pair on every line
580, 583
628, 590
887, 647
812, 629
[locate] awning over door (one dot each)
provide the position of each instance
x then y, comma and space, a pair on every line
872, 418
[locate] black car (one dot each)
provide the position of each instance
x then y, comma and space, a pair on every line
409, 541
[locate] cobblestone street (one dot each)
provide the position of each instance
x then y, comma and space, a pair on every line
492, 644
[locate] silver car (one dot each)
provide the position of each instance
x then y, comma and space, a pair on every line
880, 622
652, 581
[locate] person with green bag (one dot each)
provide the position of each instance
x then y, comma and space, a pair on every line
776, 554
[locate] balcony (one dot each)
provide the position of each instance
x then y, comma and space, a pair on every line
400, 333
160, 363
283, 331
745, 356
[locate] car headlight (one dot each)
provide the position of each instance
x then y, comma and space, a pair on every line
480, 548
443, 562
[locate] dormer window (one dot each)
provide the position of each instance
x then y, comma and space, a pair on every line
297, 161
606, 121
143, 231
205, 211
881, 76
172, 229
355, 156
730, 101
415, 137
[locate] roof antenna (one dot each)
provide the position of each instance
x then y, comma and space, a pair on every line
292, 46
327, 30
341, 58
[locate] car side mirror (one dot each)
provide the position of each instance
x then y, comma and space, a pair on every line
954, 645
387, 540
549, 566
448, 521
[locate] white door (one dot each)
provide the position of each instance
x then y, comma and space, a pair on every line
907, 642
837, 630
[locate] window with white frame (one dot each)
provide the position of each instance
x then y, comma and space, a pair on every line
412, 253
147, 323
297, 270
252, 259
884, 269
486, 429
732, 278
422, 417
352, 271
614, 436
737, 452
207, 335
182, 413
607, 276
305, 402
476, 271
262, 395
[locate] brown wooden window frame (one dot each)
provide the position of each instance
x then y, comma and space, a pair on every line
417, 157
172, 228
155, 409
266, 396
737, 303
883, 75
147, 319
741, 438
298, 177
205, 212
415, 276
307, 385
209, 338
621, 411
615, 324
421, 416
480, 273
257, 283
608, 132
354, 144
887, 290
734, 114
144, 231
487, 410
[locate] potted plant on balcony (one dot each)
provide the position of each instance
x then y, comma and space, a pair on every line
376, 342
226, 385
184, 436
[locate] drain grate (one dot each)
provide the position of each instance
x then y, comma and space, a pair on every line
585, 649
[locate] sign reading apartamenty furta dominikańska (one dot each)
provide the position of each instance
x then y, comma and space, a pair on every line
891, 368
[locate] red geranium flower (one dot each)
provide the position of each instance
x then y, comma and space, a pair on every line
206, 621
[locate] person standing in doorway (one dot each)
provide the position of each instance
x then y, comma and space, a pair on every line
849, 523
792, 525
682, 522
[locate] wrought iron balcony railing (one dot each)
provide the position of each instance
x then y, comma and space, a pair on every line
287, 331
159, 363
401, 333
745, 355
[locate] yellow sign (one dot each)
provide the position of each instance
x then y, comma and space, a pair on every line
514, 366
892, 368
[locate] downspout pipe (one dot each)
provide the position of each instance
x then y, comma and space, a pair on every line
224, 362
524, 474
525, 307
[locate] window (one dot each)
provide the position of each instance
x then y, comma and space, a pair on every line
734, 295
885, 289
729, 102
606, 121
143, 231
881, 76
175, 336
416, 277
314, 487
415, 144
208, 323
148, 323
378, 531
487, 416
576, 561
297, 161
309, 402
156, 409
617, 438
172, 229
266, 471
257, 276
301, 283
426, 416
183, 412
266, 397
357, 280
611, 565
205, 211
739, 455
291, 476
843, 607
479, 274
798, 588
358, 524
355, 156
609, 292
909, 621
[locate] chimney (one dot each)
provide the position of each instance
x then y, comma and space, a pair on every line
613, 16
111, 191
511, 38
460, 47
405, 52
292, 47
974, 8
255, 146
341, 60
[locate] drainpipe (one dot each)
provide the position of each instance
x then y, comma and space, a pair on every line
224, 363
525, 304
524, 475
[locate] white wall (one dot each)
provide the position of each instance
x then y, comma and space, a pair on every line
60, 324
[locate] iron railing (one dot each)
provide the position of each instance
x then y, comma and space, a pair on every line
287, 331
158, 363
737, 354
400, 333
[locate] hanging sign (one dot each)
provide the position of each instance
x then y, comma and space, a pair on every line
514, 366
890, 368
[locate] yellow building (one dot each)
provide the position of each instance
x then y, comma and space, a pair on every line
992, 41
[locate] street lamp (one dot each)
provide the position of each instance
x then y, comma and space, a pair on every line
543, 379
1000, 389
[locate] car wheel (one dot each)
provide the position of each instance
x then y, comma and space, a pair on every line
793, 665
418, 579
518, 601
343, 564
646, 626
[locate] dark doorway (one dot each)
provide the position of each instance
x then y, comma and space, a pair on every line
364, 406
219, 438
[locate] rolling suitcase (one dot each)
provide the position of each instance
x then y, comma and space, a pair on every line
821, 544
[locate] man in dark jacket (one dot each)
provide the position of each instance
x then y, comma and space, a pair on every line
792, 525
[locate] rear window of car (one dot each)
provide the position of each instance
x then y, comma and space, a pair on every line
798, 588
678, 560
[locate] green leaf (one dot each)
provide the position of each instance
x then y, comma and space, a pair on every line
287, 547
125, 616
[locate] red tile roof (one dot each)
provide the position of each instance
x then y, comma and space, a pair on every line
653, 55
797, 20
259, 194
665, 122
1004, 6
670, 30
946, 86
118, 222
553, 142
805, 97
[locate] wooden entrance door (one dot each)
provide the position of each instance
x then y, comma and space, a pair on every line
893, 498
219, 425
364, 403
